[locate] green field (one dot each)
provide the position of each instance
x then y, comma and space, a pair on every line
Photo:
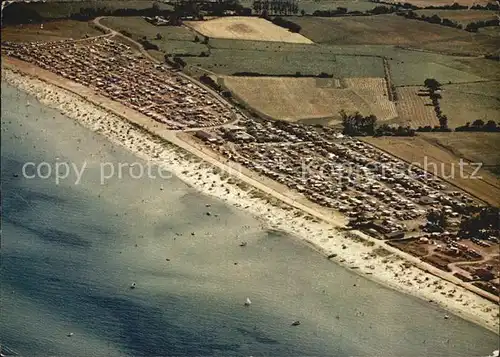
381, 29
464, 103
493, 31
230, 56
309, 6
415, 72
175, 39
408, 67
473, 147
225, 61
51, 31
393, 30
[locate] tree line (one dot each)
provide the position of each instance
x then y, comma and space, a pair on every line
292, 26
343, 11
433, 91
214, 8
455, 6
482, 224
480, 125
23, 13
476, 223
357, 124
214, 85
475, 26
275, 7
435, 19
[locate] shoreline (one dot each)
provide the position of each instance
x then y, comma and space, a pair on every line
365, 257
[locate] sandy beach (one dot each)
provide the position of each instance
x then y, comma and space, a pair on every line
365, 257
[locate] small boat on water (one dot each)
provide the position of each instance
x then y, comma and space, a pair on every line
296, 323
248, 302
132, 286
70, 334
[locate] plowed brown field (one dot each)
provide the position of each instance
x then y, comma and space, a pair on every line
414, 110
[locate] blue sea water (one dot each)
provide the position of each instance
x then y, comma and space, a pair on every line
70, 253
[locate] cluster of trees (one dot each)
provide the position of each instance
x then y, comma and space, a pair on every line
428, 129
398, 5
482, 224
339, 11
205, 39
475, 26
177, 61
147, 44
215, 8
454, 6
89, 13
480, 125
358, 125
126, 33
20, 13
433, 88
379, 10
274, 7
437, 218
388, 130
201, 54
394, 93
292, 26
493, 6
210, 82
435, 19
493, 57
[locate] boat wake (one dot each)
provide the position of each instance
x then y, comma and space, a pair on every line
6, 351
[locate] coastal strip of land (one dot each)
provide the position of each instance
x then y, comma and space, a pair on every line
148, 140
